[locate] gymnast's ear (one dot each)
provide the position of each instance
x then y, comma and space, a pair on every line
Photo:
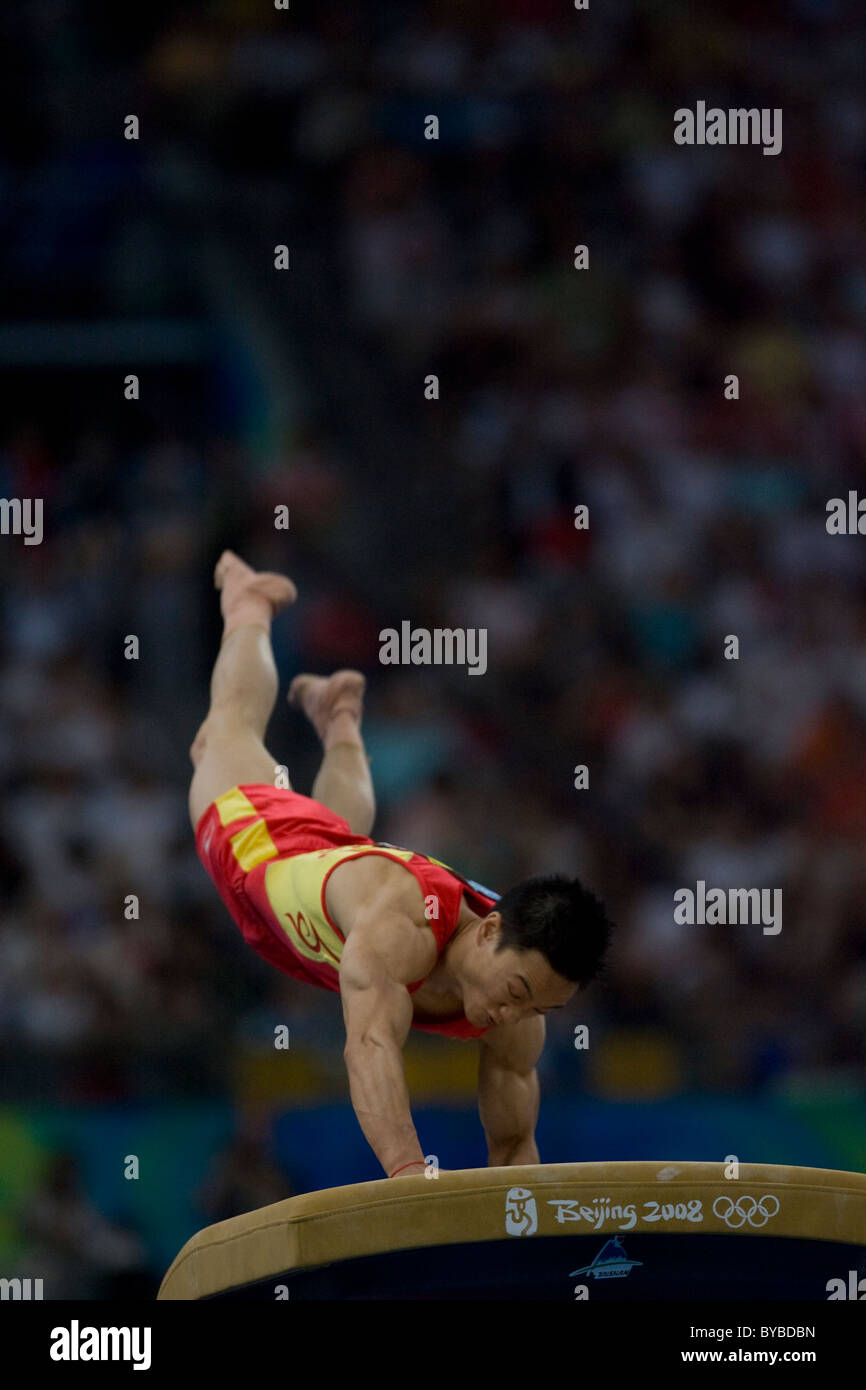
491, 925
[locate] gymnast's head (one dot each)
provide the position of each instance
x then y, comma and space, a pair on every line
546, 938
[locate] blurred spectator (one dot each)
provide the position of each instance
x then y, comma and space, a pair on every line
72, 1247
242, 1179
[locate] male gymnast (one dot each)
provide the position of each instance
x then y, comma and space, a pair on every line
406, 941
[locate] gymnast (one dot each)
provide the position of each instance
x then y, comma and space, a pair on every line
405, 940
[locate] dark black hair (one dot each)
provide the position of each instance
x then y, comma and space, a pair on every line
560, 918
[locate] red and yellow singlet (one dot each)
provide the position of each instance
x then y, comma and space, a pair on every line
270, 853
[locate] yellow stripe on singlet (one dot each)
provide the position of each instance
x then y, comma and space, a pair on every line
253, 845
233, 805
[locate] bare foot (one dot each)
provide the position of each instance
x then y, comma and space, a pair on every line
322, 698
250, 596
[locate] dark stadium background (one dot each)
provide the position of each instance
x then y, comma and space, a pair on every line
154, 1037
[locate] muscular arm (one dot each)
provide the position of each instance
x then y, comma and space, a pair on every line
382, 956
508, 1092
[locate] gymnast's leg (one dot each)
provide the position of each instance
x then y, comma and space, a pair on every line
334, 706
229, 748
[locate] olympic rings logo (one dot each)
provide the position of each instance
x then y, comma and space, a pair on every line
738, 1212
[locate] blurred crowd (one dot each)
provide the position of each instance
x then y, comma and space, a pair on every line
558, 388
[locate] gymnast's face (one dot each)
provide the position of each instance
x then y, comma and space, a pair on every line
507, 985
